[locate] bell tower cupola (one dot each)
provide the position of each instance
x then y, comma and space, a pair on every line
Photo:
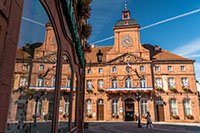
125, 13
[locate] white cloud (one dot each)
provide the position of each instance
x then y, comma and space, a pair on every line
190, 49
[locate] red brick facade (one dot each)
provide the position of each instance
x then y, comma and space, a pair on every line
148, 63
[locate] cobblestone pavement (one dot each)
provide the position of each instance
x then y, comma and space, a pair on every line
131, 127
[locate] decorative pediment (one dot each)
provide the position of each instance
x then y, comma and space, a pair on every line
123, 59
52, 58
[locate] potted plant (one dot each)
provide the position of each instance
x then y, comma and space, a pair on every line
159, 89
89, 115
89, 90
185, 88
173, 89
175, 117
66, 115
190, 117
100, 89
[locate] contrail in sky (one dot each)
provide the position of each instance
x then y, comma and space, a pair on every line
151, 25
27, 19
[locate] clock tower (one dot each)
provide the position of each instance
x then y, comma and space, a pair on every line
127, 38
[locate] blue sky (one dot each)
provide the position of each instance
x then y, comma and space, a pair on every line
181, 36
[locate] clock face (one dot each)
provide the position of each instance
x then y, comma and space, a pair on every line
127, 41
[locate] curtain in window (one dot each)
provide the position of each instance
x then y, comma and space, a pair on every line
142, 83
144, 107
173, 107
115, 106
128, 82
114, 83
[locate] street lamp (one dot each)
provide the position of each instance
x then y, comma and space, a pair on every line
138, 97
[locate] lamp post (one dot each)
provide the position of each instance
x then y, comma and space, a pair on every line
138, 97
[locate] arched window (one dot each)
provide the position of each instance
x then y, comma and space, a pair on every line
114, 69
142, 83
187, 107
68, 83
144, 108
66, 109
173, 107
114, 83
88, 106
54, 81
115, 106
40, 82
128, 82
100, 84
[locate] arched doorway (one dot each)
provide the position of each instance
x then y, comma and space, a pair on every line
159, 110
100, 109
129, 109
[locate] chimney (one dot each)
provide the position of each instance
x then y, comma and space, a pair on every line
93, 45
157, 47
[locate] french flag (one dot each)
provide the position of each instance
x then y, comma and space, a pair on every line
53, 67
129, 66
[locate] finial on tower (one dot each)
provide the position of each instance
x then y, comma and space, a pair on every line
125, 6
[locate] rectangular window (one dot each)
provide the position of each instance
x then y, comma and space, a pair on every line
23, 81
25, 67
141, 68
67, 106
158, 82
187, 107
100, 84
68, 83
89, 71
38, 108
157, 68
41, 67
115, 106
100, 70
171, 82
184, 82
182, 68
40, 82
89, 84
169, 68
89, 107
173, 107
114, 69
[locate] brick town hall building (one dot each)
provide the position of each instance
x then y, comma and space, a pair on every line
116, 77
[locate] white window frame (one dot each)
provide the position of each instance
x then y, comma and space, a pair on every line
66, 106
157, 68
53, 84
39, 107
88, 106
173, 107
114, 83
68, 82
144, 106
115, 106
142, 83
128, 82
40, 82
100, 83
23, 81
184, 82
158, 82
25, 67
89, 84
187, 107
183, 68
171, 82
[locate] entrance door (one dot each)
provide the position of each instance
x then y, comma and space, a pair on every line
160, 110
50, 110
100, 110
129, 110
